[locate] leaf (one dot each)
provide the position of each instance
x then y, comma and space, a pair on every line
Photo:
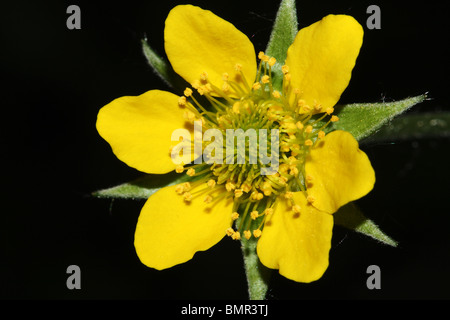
364, 119
351, 217
162, 67
415, 126
283, 34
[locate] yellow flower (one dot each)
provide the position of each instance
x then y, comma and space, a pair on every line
292, 209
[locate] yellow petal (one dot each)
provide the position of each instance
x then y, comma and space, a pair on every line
198, 41
339, 170
169, 230
322, 57
297, 244
139, 129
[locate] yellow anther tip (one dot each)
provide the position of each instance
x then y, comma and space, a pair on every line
179, 169
208, 199
187, 196
256, 86
182, 101
204, 76
334, 118
234, 216
188, 92
308, 143
238, 67
238, 193
211, 183
310, 199
257, 233
247, 234
272, 61
191, 172
296, 208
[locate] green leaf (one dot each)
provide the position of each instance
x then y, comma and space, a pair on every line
414, 126
364, 119
162, 67
283, 34
351, 217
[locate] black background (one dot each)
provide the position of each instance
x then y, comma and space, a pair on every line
57, 79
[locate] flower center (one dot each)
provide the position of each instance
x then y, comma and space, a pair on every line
255, 110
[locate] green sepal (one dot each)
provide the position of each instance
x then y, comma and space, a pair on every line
283, 34
364, 119
351, 217
145, 186
162, 67
414, 126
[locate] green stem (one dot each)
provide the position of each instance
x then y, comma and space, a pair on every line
257, 275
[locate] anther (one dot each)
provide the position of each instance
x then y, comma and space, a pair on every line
179, 189
234, 216
256, 86
268, 211
334, 118
229, 232
188, 92
272, 61
265, 79
308, 143
238, 67
236, 236
321, 135
187, 196
230, 186
187, 186
257, 233
182, 101
285, 69
238, 193
247, 234
203, 76
276, 94
329, 110
211, 183
191, 172
179, 168
310, 199
288, 195
246, 187
296, 208
208, 199
254, 215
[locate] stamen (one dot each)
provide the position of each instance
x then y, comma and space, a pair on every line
234, 216
257, 233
